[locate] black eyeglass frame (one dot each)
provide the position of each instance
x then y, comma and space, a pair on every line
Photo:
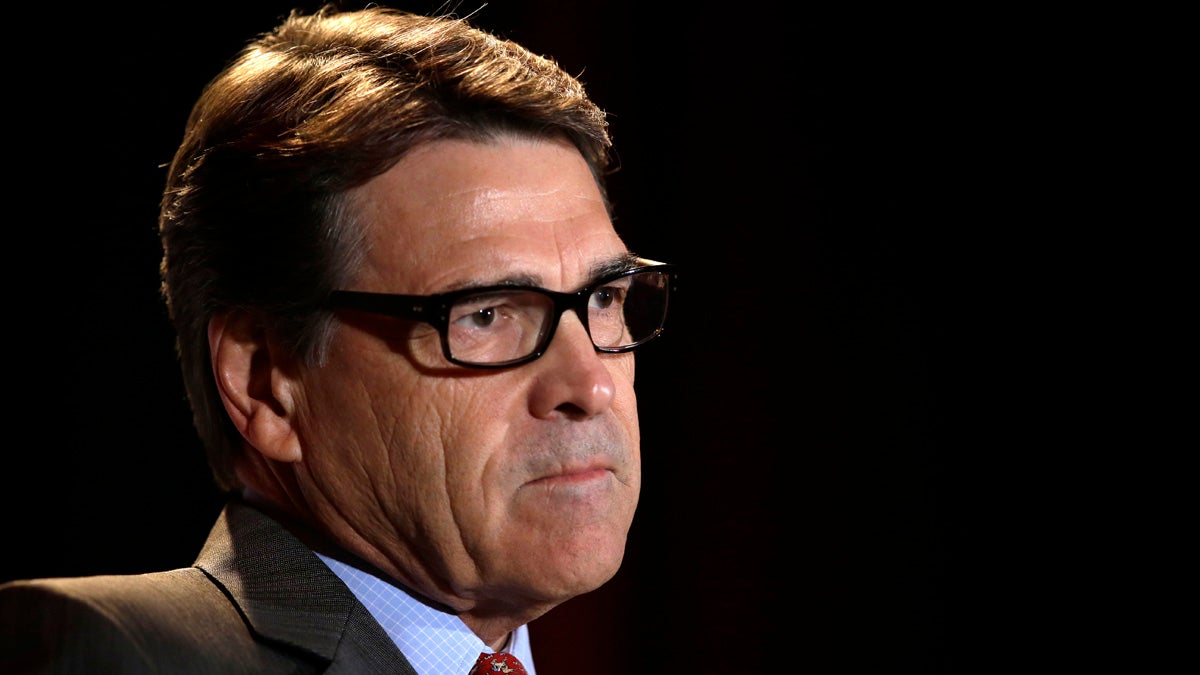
435, 310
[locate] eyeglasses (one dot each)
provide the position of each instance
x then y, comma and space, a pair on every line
505, 325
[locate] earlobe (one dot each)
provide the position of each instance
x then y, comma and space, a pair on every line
251, 376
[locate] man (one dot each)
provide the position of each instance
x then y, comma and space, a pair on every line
405, 324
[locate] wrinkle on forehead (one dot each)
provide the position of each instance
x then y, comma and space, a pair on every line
499, 208
459, 213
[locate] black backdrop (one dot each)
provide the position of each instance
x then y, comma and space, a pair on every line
831, 461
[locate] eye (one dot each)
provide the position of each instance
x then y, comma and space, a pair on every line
498, 311
483, 317
605, 297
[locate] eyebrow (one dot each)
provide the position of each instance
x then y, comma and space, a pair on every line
614, 265
622, 263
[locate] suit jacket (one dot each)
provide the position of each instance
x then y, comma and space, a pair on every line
256, 600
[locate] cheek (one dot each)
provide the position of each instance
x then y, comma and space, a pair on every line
475, 421
625, 396
368, 415
375, 435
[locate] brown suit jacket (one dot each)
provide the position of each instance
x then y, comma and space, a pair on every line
255, 601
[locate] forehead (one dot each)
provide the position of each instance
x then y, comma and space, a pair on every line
454, 213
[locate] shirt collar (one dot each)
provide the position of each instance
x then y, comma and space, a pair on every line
433, 641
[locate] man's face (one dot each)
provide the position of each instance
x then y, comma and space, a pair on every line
476, 487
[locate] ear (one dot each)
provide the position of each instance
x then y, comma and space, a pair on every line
252, 377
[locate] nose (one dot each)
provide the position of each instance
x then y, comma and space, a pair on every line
572, 377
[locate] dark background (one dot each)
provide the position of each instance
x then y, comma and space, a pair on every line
854, 431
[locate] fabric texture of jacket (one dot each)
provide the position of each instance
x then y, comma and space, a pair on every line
256, 600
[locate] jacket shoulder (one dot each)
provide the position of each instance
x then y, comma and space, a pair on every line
176, 621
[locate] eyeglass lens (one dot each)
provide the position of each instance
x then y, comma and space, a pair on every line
500, 326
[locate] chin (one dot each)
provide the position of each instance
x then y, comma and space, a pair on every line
582, 566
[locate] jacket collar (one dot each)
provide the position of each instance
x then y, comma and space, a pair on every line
288, 595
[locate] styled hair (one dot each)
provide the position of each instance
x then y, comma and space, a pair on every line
255, 214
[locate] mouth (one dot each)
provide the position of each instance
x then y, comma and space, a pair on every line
576, 476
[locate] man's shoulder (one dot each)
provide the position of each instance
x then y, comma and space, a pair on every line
185, 620
255, 600
114, 594
167, 621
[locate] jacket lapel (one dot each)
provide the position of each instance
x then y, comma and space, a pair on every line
288, 595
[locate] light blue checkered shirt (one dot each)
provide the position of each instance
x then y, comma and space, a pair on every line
434, 642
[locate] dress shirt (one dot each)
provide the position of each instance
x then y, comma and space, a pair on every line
435, 642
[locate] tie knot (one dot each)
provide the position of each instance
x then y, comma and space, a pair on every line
499, 662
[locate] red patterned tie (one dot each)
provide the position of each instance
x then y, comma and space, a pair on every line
500, 662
